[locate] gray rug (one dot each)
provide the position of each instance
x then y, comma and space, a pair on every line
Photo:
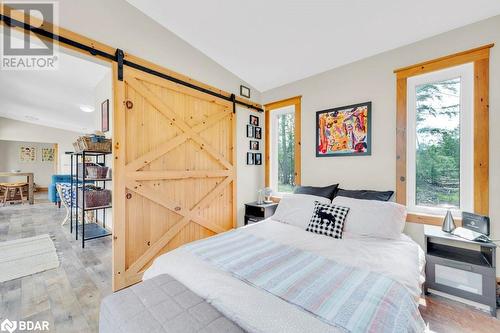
26, 256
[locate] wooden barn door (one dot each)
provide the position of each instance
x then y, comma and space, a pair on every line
174, 170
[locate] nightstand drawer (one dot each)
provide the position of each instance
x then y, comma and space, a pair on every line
469, 281
252, 219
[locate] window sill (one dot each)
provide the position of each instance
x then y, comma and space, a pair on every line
429, 219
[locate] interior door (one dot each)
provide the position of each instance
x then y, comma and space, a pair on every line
174, 170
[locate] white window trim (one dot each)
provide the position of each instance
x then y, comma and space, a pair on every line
273, 148
466, 74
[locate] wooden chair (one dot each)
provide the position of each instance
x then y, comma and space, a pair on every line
14, 192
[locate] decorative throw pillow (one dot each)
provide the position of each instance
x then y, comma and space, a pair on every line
365, 194
326, 192
328, 219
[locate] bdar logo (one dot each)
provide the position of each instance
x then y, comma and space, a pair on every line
9, 326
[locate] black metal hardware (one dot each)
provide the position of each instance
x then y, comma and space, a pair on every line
119, 60
233, 99
116, 57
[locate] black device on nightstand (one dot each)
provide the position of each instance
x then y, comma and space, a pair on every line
255, 212
460, 267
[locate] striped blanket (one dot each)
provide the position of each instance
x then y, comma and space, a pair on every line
353, 299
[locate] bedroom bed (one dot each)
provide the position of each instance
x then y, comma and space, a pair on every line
255, 309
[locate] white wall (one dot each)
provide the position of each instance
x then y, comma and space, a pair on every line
120, 25
373, 80
14, 130
250, 178
9, 160
102, 92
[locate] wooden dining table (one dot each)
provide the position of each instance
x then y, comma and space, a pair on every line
29, 179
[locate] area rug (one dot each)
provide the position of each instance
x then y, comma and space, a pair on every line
26, 256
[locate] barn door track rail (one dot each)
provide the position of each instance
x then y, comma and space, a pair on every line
119, 58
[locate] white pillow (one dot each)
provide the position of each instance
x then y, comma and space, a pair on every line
297, 209
372, 218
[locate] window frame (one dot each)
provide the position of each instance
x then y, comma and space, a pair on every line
269, 108
466, 74
480, 59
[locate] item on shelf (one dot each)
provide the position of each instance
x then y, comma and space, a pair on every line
93, 142
96, 171
94, 197
267, 194
448, 223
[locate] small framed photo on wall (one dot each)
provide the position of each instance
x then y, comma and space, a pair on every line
250, 131
244, 91
258, 133
250, 159
254, 145
258, 158
105, 116
254, 120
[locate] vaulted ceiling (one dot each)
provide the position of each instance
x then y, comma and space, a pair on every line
53, 97
269, 43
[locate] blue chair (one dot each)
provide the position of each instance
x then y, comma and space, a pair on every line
56, 179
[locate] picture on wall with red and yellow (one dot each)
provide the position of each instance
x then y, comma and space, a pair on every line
344, 131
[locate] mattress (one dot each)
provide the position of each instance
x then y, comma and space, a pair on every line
255, 310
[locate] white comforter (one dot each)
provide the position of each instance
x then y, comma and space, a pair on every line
256, 310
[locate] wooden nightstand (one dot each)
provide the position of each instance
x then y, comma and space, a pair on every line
255, 213
461, 268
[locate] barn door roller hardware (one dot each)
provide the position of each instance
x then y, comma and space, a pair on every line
121, 61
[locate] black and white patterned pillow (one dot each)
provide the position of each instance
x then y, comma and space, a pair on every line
328, 219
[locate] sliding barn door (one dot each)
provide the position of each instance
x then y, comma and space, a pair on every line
174, 170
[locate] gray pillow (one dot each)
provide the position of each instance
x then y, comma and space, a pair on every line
365, 194
326, 192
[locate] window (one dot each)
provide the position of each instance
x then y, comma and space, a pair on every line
282, 139
283, 150
442, 146
440, 140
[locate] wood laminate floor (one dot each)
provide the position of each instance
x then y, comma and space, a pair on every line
69, 296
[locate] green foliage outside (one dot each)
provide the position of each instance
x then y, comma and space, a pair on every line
438, 144
286, 152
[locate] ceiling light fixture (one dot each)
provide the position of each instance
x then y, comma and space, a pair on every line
87, 108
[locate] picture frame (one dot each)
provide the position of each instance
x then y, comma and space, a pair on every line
257, 132
254, 145
48, 154
244, 91
27, 154
105, 116
250, 159
250, 131
254, 120
344, 131
258, 159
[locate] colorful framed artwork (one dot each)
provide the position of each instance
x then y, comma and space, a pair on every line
105, 116
344, 131
48, 154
